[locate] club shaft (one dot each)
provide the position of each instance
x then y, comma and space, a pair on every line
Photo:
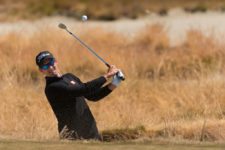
89, 48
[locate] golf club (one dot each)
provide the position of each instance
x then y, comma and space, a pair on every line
63, 26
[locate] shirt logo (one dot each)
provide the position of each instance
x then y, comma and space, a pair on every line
72, 82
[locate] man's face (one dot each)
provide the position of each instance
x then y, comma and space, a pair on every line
50, 67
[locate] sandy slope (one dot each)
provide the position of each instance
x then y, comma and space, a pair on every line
176, 24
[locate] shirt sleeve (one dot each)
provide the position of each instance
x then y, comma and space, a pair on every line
98, 94
77, 90
96, 82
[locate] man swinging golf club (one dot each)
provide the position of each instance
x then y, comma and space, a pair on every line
66, 94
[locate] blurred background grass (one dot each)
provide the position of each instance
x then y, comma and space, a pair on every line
101, 9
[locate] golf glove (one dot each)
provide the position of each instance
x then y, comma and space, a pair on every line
116, 80
120, 75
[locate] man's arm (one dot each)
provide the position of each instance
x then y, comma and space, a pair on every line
95, 82
83, 89
76, 90
100, 93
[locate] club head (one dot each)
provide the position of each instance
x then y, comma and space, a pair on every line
62, 26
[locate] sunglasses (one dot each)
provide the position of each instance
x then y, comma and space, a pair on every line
49, 62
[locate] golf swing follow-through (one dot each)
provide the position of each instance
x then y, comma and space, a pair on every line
63, 26
66, 94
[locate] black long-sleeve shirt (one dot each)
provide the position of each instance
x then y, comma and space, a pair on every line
66, 96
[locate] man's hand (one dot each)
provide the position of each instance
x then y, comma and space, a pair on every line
115, 82
111, 72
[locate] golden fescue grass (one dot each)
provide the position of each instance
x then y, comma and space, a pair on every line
169, 91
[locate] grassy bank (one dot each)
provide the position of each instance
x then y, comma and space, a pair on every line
56, 145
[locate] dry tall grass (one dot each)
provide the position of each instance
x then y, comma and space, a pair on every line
170, 91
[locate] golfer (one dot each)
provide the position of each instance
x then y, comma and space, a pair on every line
66, 94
